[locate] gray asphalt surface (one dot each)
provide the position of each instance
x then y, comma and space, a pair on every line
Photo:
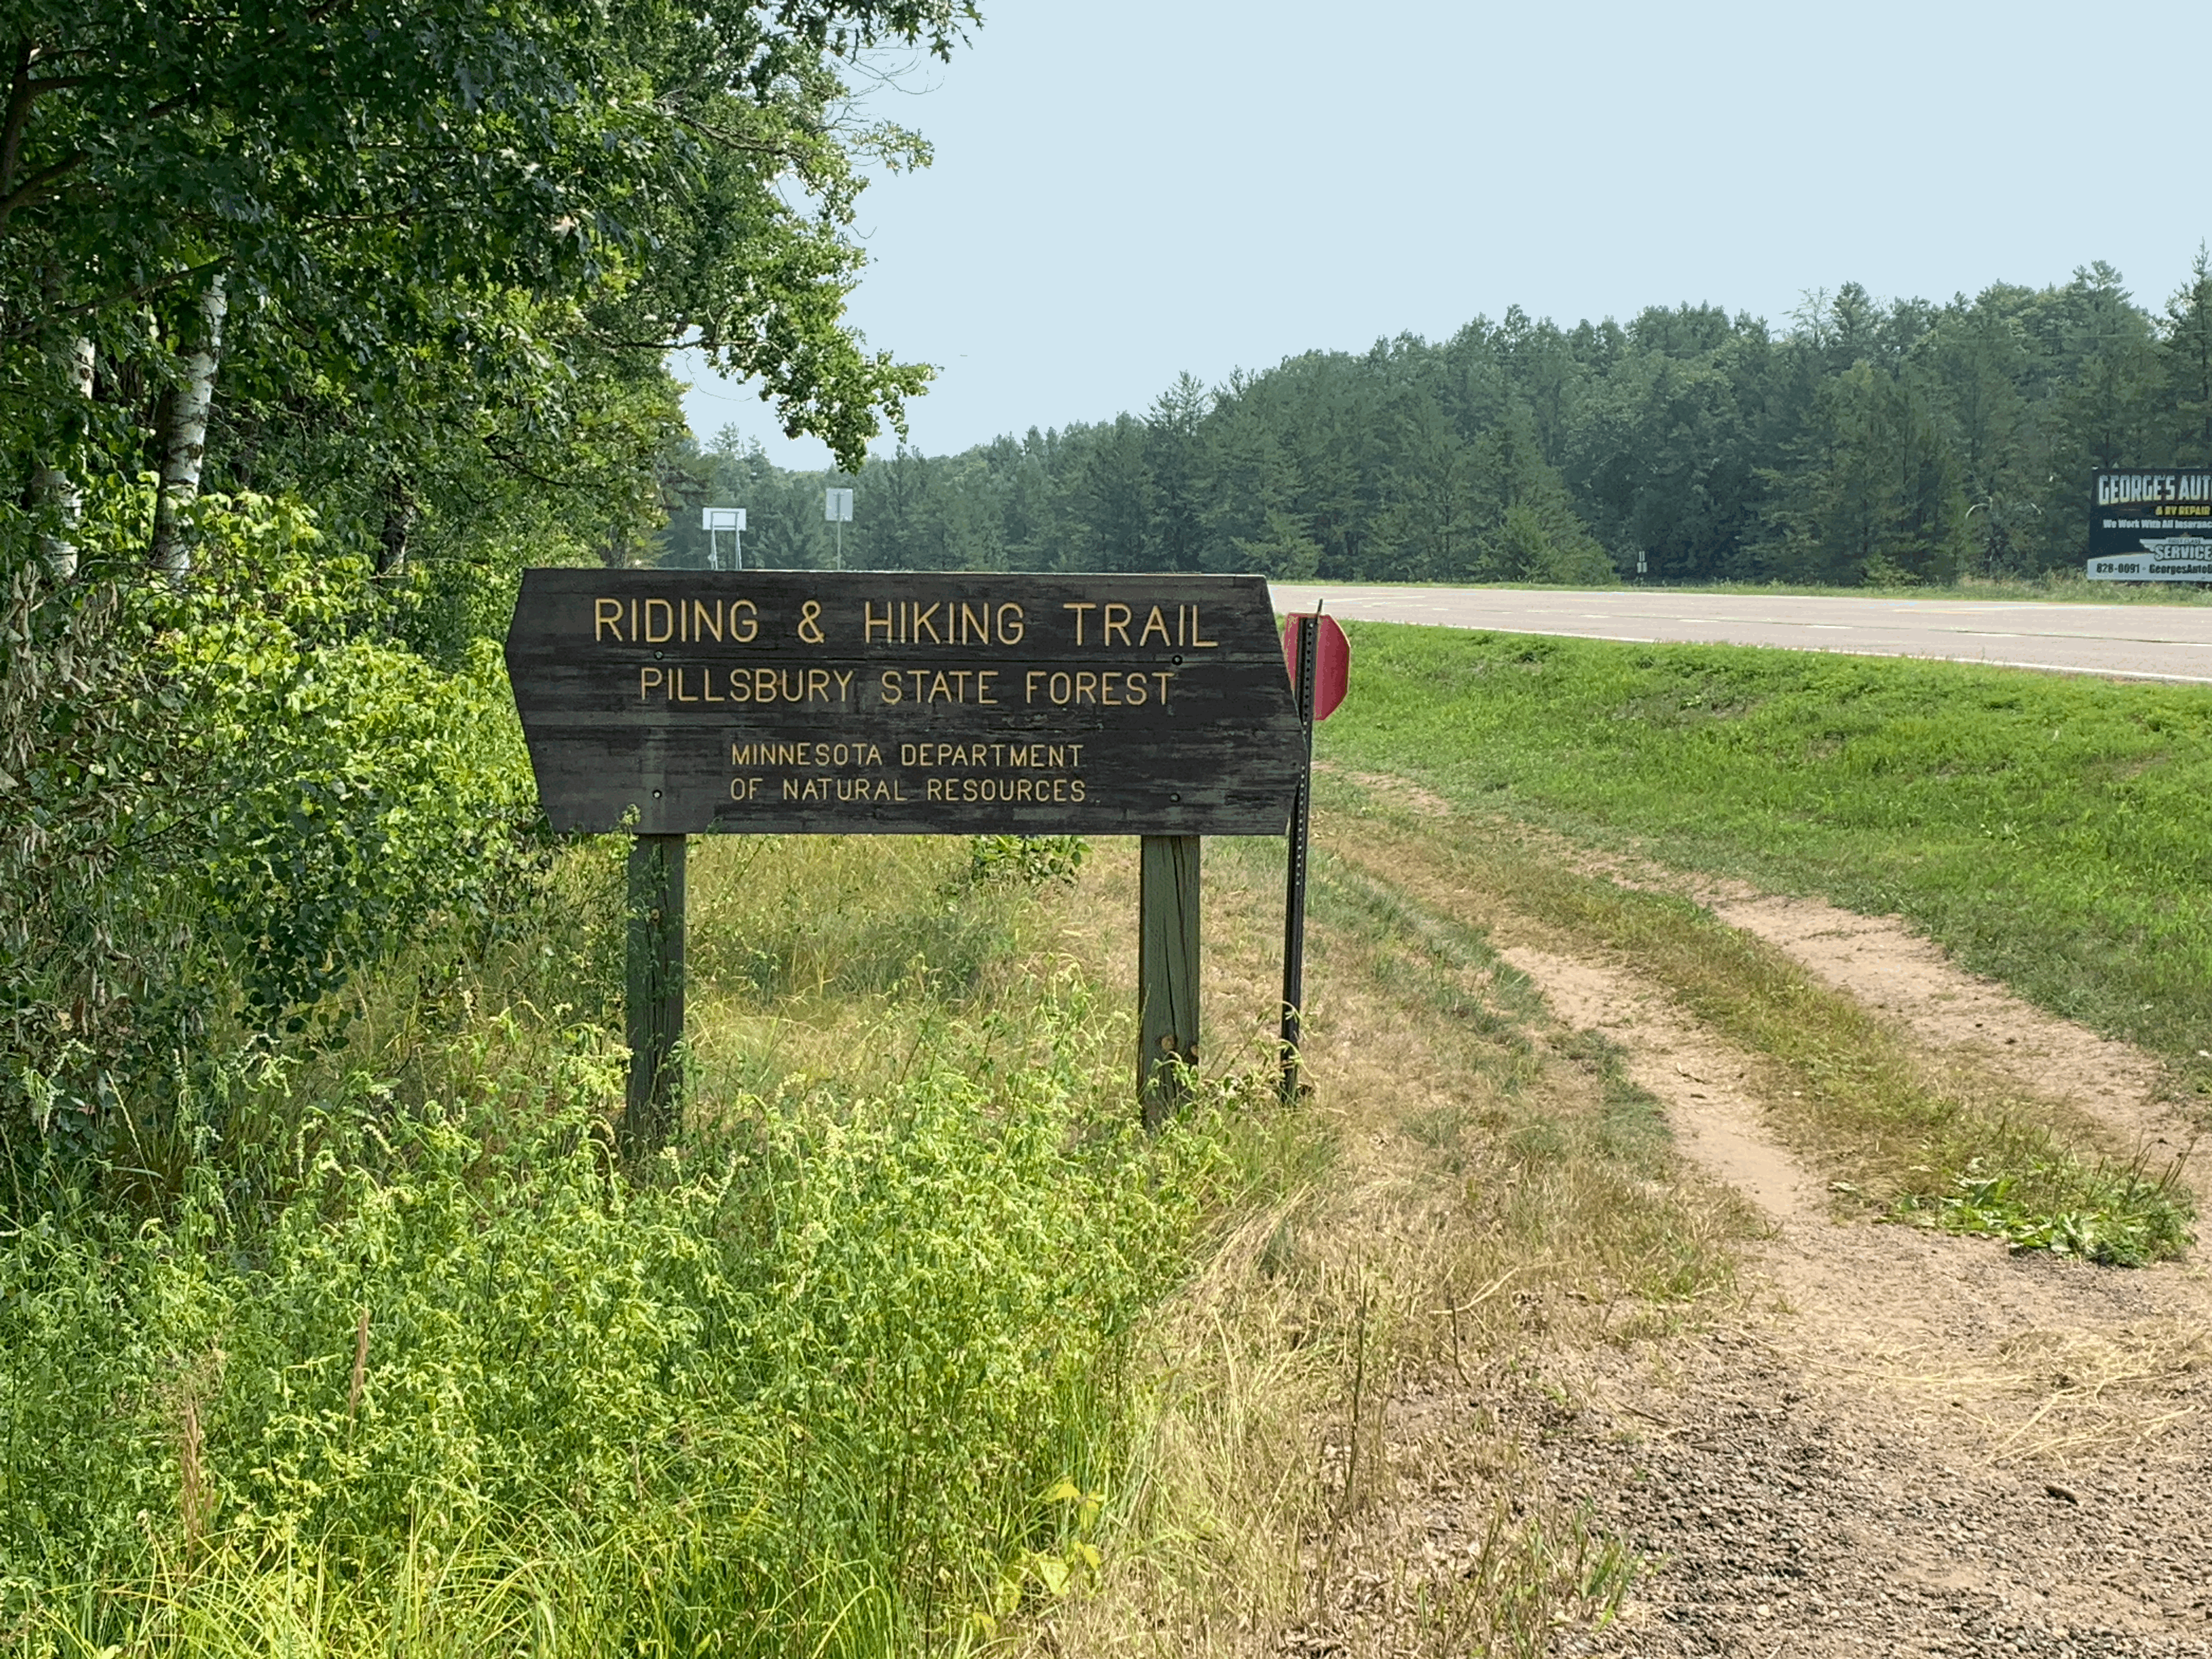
2124, 641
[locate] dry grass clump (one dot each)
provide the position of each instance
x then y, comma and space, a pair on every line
2059, 1396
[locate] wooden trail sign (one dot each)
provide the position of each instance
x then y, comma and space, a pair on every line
797, 703
667, 703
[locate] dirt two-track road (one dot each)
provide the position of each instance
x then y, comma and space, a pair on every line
1901, 1441
2133, 642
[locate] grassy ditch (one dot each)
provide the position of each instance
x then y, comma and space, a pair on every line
2048, 830
384, 1355
1840, 1086
1382, 1351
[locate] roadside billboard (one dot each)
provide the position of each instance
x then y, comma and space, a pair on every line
2151, 525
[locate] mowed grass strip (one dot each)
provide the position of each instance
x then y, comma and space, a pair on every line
2053, 832
1842, 1087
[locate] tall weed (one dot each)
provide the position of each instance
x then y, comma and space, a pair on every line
811, 1386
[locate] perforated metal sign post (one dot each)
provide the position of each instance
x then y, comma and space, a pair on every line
669, 703
1319, 658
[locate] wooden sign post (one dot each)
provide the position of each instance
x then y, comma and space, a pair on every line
673, 704
652, 996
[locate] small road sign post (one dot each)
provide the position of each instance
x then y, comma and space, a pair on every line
668, 703
837, 509
1319, 658
716, 520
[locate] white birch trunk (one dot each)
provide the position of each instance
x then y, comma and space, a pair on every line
60, 487
185, 440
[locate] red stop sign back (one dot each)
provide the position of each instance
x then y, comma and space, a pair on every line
1331, 662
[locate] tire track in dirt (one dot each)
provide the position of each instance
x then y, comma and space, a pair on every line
1919, 1443
1964, 1022
1973, 1020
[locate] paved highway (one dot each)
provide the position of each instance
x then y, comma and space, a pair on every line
2124, 641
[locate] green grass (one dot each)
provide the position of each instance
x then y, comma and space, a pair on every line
380, 1353
2049, 831
1845, 1091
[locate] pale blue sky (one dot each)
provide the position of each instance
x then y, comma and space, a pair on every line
1124, 191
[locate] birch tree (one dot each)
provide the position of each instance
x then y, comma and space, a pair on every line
382, 183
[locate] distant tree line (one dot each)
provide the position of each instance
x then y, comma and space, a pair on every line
1863, 443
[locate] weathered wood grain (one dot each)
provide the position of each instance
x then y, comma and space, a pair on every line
654, 1000
904, 702
1168, 964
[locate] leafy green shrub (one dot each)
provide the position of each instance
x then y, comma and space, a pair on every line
224, 800
1031, 861
814, 1387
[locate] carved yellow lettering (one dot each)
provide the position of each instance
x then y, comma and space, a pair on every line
1116, 624
870, 622
750, 626
703, 620
647, 679
605, 614
1086, 684
667, 623
1078, 610
1010, 633
817, 684
1154, 623
983, 678
890, 685
926, 619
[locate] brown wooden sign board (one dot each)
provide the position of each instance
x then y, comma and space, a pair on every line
855, 702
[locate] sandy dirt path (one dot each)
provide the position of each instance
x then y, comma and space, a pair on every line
1919, 1444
